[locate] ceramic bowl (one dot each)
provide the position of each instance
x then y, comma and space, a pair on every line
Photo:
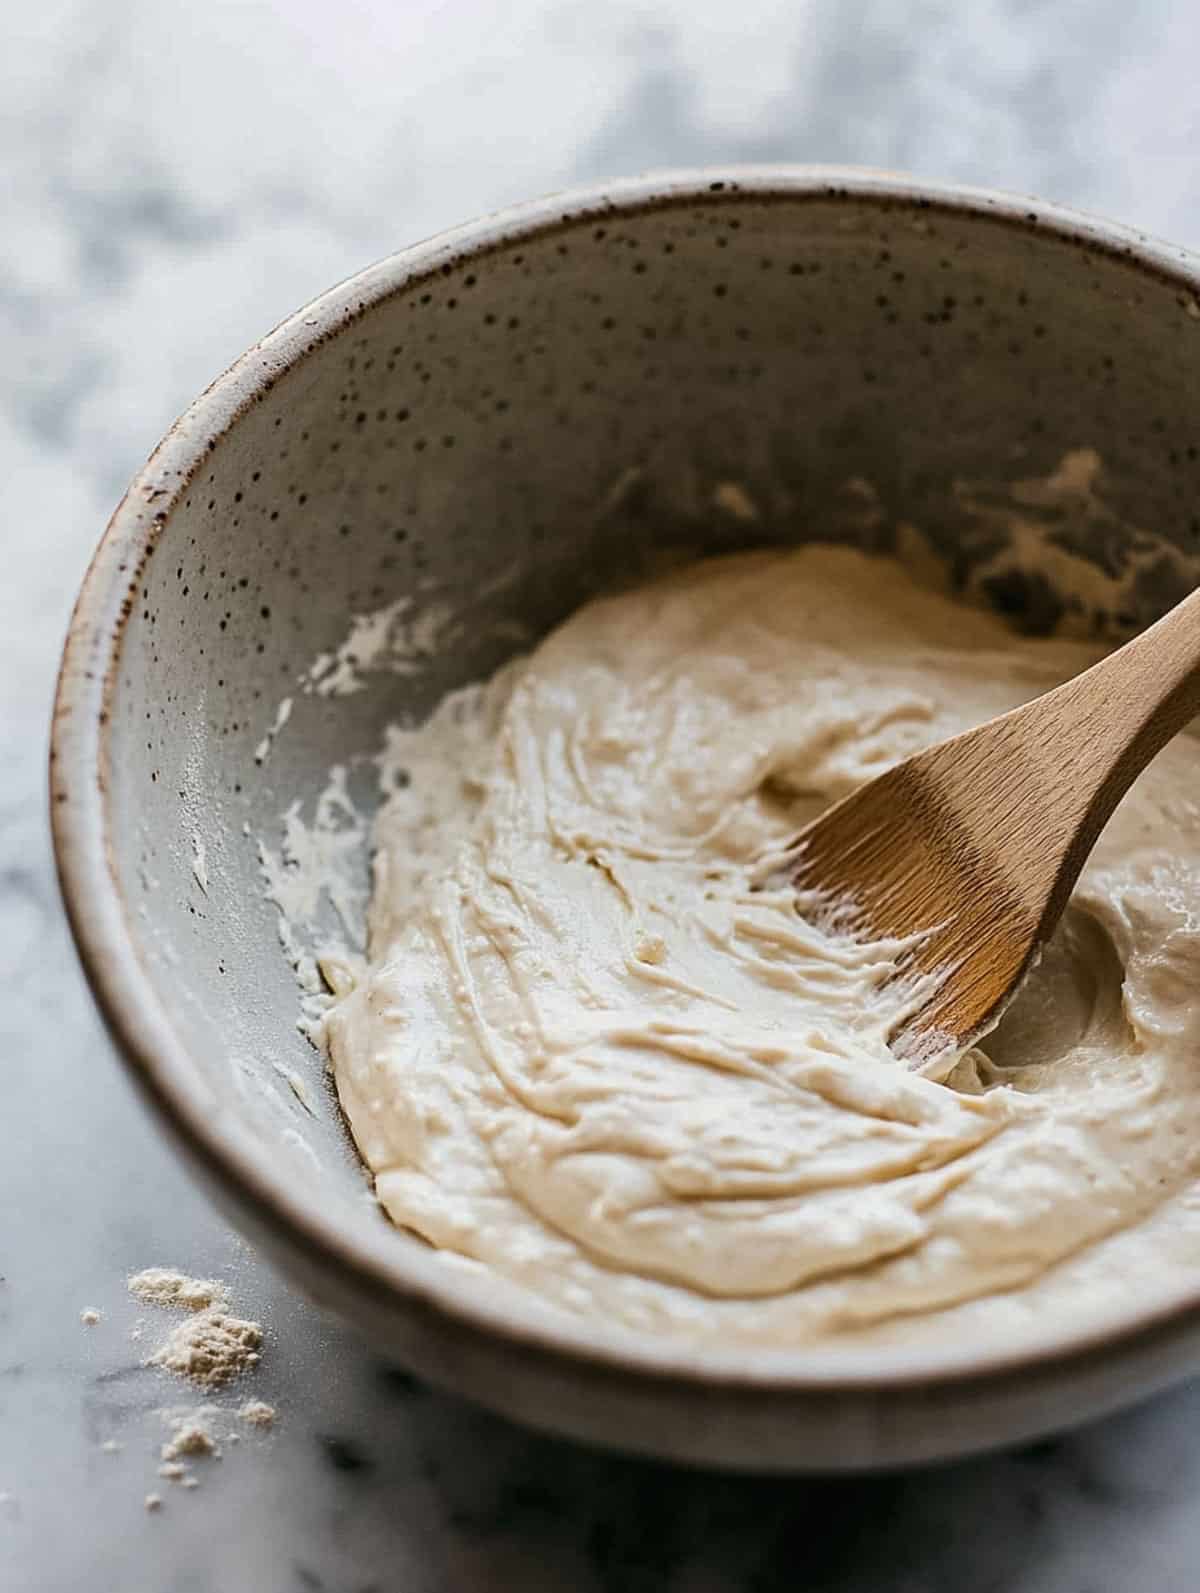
491, 426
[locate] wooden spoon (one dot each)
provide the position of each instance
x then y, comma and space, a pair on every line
969, 850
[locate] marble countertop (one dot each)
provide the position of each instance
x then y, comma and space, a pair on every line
177, 178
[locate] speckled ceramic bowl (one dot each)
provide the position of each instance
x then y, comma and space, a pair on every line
502, 421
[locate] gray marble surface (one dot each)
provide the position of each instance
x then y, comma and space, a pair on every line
174, 179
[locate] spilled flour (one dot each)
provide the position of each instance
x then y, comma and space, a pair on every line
192, 1434
210, 1346
165, 1287
197, 1434
257, 1413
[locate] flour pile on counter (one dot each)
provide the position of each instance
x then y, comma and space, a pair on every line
165, 1287
596, 1050
210, 1346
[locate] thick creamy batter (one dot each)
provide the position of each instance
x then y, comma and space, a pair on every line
592, 1053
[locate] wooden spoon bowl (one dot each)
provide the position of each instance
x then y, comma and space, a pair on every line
967, 852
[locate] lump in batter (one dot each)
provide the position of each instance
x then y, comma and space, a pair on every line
594, 1054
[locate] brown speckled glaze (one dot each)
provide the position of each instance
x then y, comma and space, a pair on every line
509, 418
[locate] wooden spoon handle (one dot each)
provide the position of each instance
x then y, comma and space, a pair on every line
1129, 705
1098, 731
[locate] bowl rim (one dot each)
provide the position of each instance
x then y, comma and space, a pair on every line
373, 1263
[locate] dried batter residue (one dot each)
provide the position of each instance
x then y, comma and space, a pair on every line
393, 638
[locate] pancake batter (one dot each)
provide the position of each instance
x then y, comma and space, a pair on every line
590, 1053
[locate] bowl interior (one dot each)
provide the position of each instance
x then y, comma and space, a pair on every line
481, 436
